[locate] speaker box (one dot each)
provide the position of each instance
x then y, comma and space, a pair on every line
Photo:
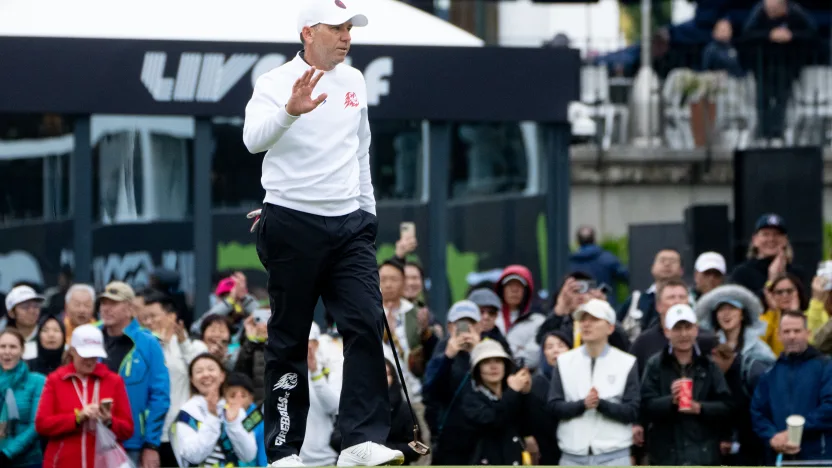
708, 229
786, 181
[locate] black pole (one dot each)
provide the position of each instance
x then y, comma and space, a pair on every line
558, 183
203, 238
439, 153
82, 201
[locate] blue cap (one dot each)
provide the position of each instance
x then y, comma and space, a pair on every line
770, 220
464, 309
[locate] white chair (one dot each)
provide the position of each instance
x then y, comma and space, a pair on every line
595, 92
736, 111
810, 109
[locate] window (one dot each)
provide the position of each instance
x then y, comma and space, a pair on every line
34, 166
492, 158
235, 173
396, 159
142, 168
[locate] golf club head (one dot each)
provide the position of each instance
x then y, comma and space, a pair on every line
419, 447
416, 445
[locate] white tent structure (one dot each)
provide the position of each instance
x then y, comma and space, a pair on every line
391, 22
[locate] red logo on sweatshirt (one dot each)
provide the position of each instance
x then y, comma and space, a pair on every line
340, 4
350, 100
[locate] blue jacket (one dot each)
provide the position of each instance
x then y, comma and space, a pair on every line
798, 384
252, 418
148, 387
21, 443
602, 265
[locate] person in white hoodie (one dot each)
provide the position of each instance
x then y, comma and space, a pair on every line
595, 394
209, 431
179, 351
324, 396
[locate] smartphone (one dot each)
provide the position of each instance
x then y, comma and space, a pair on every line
825, 272
520, 363
584, 286
408, 229
262, 315
463, 327
107, 404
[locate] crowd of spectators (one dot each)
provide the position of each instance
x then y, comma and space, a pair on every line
705, 373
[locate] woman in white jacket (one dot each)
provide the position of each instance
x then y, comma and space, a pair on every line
209, 431
179, 351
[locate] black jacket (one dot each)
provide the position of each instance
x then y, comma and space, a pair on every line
542, 425
481, 430
251, 362
742, 383
753, 274
675, 438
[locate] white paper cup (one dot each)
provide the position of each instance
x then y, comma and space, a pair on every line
794, 426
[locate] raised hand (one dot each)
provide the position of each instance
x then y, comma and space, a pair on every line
301, 101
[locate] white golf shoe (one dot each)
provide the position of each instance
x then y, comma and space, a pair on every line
370, 454
291, 461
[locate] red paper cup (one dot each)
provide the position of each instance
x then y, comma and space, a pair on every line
685, 394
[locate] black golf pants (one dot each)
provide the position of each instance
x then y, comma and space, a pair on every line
309, 256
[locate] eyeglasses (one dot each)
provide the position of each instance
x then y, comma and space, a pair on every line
784, 291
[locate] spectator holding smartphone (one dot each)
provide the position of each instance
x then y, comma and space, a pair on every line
70, 405
485, 426
448, 369
251, 361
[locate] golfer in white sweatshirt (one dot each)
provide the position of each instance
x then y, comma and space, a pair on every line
316, 235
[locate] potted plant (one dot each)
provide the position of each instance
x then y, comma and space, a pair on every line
705, 87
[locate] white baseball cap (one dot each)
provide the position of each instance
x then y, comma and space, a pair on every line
331, 12
88, 341
679, 313
21, 294
710, 261
596, 308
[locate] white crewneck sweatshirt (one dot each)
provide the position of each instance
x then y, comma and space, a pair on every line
318, 163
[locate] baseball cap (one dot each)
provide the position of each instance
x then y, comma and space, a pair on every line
513, 277
20, 295
331, 12
485, 297
596, 308
118, 291
770, 220
464, 309
88, 342
679, 313
710, 261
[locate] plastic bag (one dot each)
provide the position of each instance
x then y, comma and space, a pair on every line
108, 452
